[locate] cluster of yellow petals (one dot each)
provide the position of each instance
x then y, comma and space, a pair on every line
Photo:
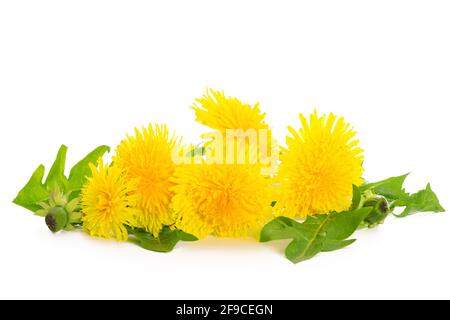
226, 200
147, 157
320, 164
145, 188
108, 202
219, 112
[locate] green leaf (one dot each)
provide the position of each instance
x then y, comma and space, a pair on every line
356, 200
165, 242
422, 201
280, 228
81, 170
319, 233
33, 192
332, 245
56, 177
391, 188
186, 236
198, 150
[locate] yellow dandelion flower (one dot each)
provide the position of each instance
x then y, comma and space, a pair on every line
246, 137
220, 112
147, 157
108, 201
319, 166
223, 200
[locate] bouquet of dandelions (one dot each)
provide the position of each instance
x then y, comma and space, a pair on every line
237, 183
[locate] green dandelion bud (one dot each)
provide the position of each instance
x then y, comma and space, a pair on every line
60, 212
379, 212
56, 219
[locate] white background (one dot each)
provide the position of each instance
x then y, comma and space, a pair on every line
85, 73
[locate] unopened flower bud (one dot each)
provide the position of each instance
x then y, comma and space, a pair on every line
379, 212
56, 219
